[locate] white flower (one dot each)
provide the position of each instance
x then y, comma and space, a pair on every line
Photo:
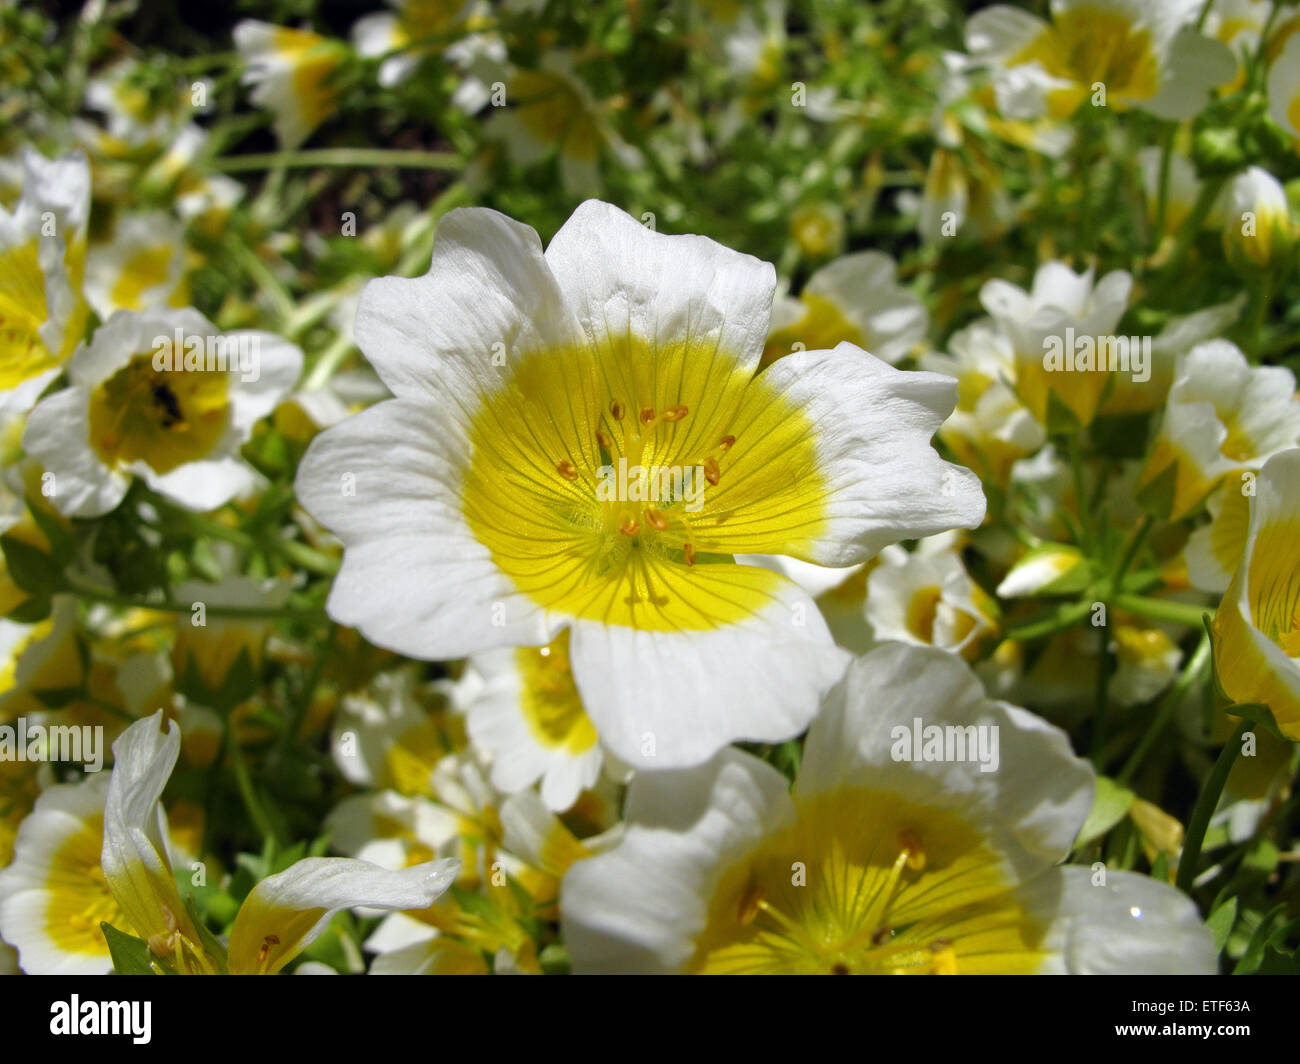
881, 860
479, 508
553, 112
1223, 416
1257, 626
1257, 233
417, 28
1061, 304
991, 429
175, 417
53, 896
282, 914
524, 711
140, 267
292, 73
926, 597
1142, 53
42, 258
854, 299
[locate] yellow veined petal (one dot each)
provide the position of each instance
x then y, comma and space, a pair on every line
706, 462
285, 912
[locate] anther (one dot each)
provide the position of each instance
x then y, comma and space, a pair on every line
655, 519
647, 415
616, 409
711, 472
910, 843
750, 904
565, 468
689, 551
674, 413
726, 442
629, 527
603, 440
265, 951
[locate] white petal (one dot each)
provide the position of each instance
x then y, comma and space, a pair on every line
1038, 791
58, 435
414, 578
639, 907
295, 905
664, 700
1132, 925
488, 284
623, 278
873, 427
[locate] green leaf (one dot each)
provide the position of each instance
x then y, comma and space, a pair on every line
130, 955
1257, 713
1221, 922
1061, 420
58, 697
554, 960
1110, 803
1156, 496
1254, 955
59, 539
32, 569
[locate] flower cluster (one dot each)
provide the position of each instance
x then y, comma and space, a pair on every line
783, 488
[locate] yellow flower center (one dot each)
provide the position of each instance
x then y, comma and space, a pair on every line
553, 112
822, 326
1089, 44
616, 484
23, 311
79, 899
865, 882
1274, 584
550, 699
144, 269
163, 418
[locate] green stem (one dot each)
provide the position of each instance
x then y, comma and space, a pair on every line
1263, 297
249, 796
1102, 701
302, 703
328, 362
1163, 610
1165, 711
1162, 192
299, 554
372, 157
113, 598
1206, 803
1057, 620
1193, 223
1131, 551
265, 280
